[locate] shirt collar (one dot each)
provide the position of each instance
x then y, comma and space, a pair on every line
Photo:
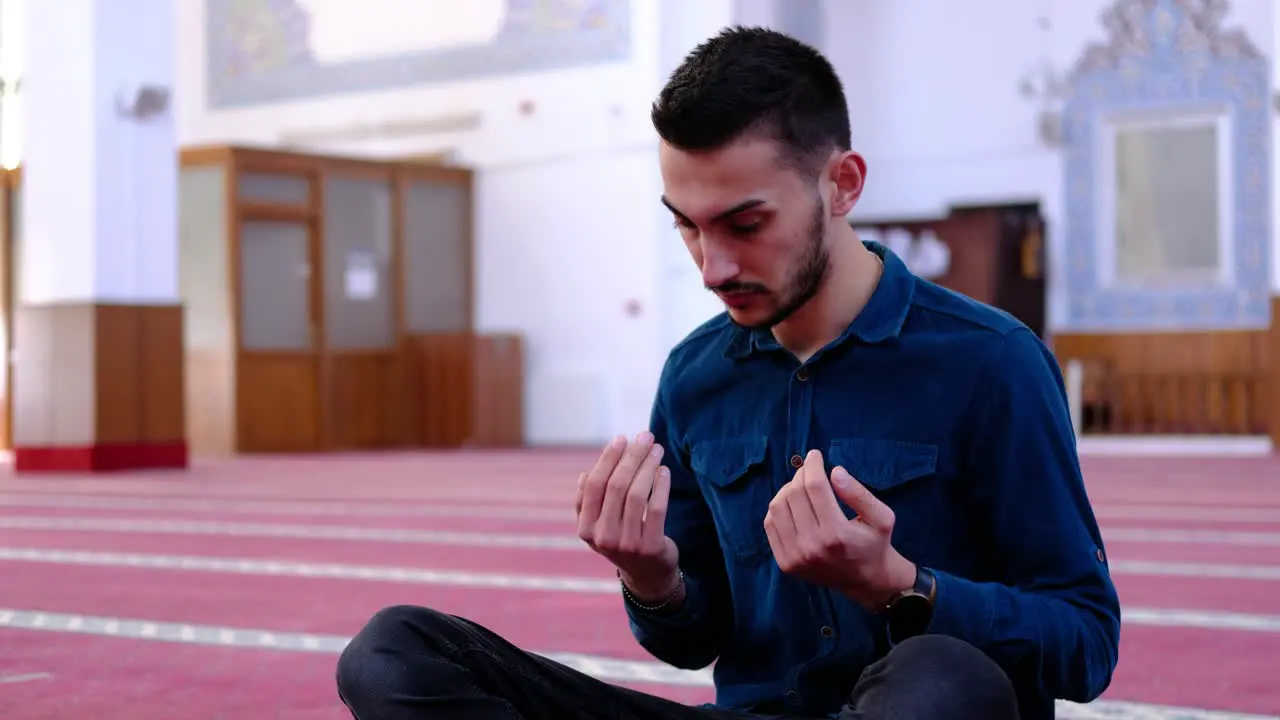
880, 320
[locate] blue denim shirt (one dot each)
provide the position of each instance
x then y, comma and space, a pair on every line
954, 414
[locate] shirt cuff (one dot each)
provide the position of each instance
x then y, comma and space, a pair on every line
963, 609
664, 619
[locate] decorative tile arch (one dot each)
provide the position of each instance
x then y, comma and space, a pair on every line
1170, 57
257, 50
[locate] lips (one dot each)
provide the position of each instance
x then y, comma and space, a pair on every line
738, 299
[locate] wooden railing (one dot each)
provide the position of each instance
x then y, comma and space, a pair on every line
1130, 402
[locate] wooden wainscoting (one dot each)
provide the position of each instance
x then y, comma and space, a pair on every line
467, 389
1183, 383
367, 405
277, 399
100, 387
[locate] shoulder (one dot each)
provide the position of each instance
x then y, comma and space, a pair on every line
704, 345
982, 343
958, 322
697, 361
951, 311
1000, 351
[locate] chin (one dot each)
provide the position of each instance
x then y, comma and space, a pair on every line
750, 318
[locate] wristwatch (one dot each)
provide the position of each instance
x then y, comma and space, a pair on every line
911, 611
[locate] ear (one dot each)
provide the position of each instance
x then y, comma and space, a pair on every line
848, 175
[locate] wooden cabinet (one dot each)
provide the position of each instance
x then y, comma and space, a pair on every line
310, 283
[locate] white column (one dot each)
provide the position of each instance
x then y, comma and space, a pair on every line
99, 198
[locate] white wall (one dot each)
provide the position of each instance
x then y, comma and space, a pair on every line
569, 228
933, 89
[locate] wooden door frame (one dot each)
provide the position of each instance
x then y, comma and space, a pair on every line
239, 212
239, 161
330, 167
405, 175
422, 351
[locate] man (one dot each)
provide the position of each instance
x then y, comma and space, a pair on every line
860, 495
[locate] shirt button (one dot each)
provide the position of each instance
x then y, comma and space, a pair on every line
802, 374
827, 631
797, 461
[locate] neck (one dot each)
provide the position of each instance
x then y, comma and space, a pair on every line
852, 276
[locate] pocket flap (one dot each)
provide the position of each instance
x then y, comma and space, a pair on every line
883, 464
724, 461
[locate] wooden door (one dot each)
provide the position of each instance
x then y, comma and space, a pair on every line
436, 211
362, 377
277, 366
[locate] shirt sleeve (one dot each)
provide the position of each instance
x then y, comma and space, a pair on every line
692, 636
1051, 618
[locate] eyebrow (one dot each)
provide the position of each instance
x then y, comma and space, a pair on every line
739, 208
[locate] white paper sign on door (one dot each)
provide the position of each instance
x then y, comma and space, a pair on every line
361, 277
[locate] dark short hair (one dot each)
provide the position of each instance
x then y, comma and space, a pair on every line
755, 80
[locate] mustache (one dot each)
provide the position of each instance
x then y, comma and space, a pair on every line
732, 287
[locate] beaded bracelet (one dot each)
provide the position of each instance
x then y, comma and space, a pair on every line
675, 591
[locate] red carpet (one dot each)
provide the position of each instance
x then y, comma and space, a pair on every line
306, 549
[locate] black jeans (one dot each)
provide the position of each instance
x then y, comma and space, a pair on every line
416, 663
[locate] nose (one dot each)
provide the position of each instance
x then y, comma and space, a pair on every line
717, 267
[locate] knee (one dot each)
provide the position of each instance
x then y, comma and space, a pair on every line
937, 675
371, 666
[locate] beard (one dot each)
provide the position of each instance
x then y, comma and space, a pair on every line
804, 278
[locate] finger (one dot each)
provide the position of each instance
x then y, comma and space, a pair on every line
624, 473
803, 518
775, 543
817, 488
577, 495
783, 525
594, 485
637, 498
655, 517
869, 508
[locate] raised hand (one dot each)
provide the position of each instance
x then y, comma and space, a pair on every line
621, 507
812, 538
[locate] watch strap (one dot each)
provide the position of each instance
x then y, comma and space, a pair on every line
926, 583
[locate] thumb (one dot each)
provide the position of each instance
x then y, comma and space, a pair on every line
856, 495
843, 483
848, 489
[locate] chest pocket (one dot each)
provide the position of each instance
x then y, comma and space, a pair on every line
735, 476
903, 475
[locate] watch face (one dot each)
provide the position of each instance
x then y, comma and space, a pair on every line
909, 616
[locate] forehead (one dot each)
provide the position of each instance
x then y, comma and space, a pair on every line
705, 183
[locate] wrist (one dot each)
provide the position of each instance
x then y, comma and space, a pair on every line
900, 577
652, 590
